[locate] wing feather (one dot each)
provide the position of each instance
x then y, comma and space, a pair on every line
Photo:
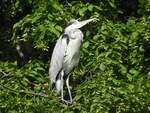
57, 59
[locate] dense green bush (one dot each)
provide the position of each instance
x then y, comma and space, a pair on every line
114, 70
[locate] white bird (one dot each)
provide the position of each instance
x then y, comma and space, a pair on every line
66, 56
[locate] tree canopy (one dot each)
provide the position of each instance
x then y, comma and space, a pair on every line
113, 75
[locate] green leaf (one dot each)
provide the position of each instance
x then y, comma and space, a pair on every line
59, 28
82, 11
86, 44
130, 77
90, 7
123, 69
112, 4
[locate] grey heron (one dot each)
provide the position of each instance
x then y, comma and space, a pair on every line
66, 56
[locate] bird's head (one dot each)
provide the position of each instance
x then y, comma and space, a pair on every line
75, 24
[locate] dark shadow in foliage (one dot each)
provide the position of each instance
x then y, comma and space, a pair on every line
8, 17
5, 48
146, 62
129, 8
25, 50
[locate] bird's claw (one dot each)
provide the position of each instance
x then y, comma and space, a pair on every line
67, 102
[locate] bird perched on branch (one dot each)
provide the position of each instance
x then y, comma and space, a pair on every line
66, 56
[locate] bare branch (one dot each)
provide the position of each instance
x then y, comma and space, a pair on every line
24, 92
20, 91
5, 75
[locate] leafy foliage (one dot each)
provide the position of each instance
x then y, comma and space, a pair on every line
114, 71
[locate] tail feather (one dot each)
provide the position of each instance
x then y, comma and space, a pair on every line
59, 85
52, 85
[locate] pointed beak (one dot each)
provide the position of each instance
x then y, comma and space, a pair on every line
83, 23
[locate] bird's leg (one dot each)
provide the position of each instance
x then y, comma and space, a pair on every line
67, 83
62, 75
62, 95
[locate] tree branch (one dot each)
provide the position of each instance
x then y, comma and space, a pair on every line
20, 91
24, 92
5, 75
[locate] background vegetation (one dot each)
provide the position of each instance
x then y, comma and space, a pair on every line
114, 71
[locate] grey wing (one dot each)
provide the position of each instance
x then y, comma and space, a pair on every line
57, 58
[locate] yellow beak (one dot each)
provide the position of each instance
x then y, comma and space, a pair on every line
83, 23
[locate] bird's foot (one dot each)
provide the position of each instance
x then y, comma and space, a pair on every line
67, 102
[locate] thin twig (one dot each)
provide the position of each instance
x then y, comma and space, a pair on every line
25, 92
20, 91
5, 75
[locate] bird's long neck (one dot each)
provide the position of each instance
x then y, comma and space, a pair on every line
72, 32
